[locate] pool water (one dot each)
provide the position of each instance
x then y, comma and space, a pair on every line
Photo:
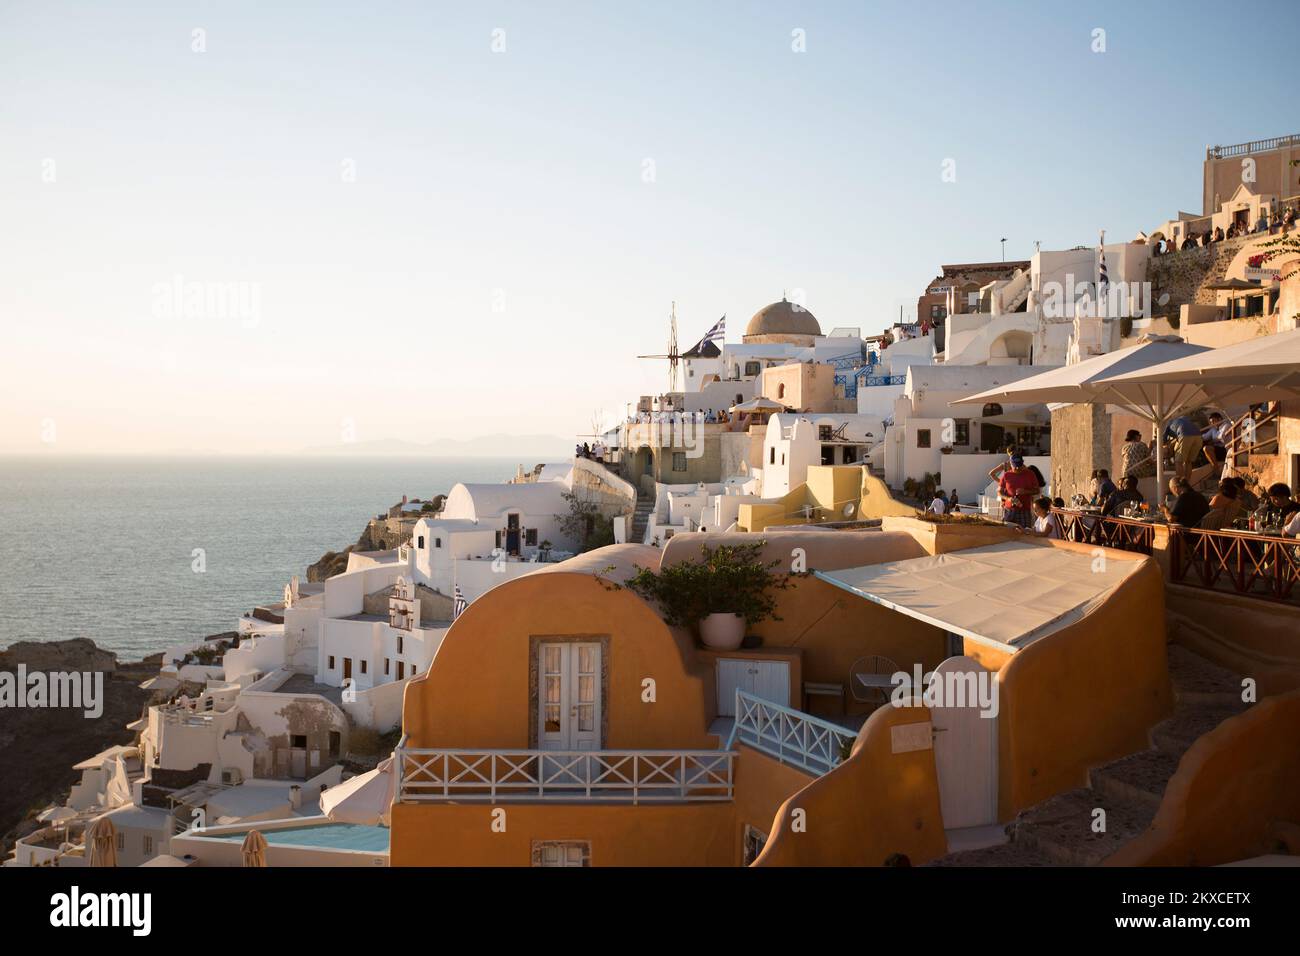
332, 836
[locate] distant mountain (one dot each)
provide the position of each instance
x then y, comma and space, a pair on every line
523, 447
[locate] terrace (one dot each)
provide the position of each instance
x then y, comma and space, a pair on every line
1255, 564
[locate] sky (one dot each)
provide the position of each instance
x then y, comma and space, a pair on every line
238, 227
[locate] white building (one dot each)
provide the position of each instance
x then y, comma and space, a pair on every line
962, 442
794, 442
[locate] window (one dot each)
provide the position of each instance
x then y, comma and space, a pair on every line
414, 670
331, 662
962, 436
437, 542
148, 845
399, 643
739, 398
753, 368
824, 432
561, 853
530, 537
121, 840
754, 841
828, 454
771, 458
388, 664
298, 741
401, 670
780, 390
364, 664
420, 542
923, 438
336, 742
679, 461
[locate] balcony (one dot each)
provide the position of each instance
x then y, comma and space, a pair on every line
564, 776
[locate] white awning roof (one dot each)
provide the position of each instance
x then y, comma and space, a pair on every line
1008, 594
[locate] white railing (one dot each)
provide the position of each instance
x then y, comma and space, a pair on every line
613, 776
790, 736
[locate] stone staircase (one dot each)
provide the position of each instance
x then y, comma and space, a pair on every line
1058, 831
645, 506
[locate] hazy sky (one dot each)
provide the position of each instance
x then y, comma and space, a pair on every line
359, 220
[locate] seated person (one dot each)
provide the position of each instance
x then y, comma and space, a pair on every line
1189, 507
1249, 500
1224, 507
1105, 487
1126, 493
1044, 525
1280, 506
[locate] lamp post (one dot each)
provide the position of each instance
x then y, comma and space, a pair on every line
1004, 250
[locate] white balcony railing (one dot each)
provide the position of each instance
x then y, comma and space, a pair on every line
612, 776
791, 736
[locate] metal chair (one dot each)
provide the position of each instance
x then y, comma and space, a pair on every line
876, 665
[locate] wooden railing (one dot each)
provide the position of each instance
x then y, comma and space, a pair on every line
1123, 534
790, 736
1254, 433
611, 776
1260, 566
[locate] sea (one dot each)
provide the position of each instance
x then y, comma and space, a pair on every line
139, 553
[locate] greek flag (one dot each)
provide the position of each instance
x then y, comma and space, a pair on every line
459, 603
716, 334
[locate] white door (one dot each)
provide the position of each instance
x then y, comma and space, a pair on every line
965, 745
569, 697
768, 680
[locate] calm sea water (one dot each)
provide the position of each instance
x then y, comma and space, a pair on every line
103, 547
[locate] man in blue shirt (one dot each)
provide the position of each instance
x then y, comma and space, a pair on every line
1186, 438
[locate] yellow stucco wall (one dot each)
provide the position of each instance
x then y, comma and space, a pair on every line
689, 834
875, 804
877, 502
1232, 789
1086, 694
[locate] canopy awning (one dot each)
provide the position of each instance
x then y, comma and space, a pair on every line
1008, 594
1261, 369
759, 404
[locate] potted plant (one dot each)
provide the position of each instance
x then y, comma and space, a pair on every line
723, 593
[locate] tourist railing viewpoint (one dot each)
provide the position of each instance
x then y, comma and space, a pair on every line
1256, 565
611, 776
792, 737
1123, 534
1254, 146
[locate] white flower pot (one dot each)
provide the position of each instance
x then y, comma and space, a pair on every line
723, 631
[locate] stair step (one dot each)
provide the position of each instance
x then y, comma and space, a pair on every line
1188, 724
1200, 681
1061, 827
1006, 854
1140, 777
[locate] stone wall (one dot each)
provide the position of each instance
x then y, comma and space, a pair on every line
1081, 442
1183, 275
611, 494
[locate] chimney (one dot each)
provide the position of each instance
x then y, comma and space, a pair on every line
403, 499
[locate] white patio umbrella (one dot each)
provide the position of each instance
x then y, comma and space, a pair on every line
1263, 369
759, 404
1093, 382
364, 799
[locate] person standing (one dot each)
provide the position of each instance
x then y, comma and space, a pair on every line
1186, 438
1017, 487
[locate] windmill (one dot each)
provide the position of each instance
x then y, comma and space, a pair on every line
674, 357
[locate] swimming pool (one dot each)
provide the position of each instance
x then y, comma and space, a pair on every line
332, 836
